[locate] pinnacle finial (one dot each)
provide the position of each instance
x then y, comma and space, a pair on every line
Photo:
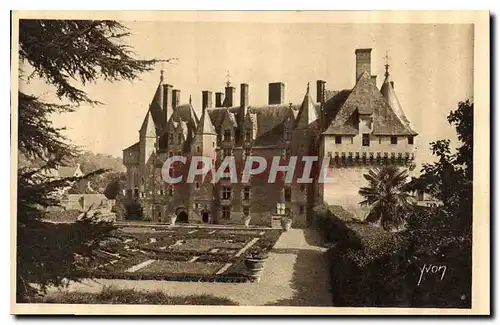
228, 79
308, 88
161, 72
386, 57
190, 100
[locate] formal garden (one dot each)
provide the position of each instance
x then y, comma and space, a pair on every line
180, 253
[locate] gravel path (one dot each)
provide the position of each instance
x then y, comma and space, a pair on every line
295, 274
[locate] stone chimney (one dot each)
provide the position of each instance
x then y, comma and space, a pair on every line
244, 101
276, 93
230, 91
167, 101
176, 97
363, 61
219, 98
320, 91
206, 99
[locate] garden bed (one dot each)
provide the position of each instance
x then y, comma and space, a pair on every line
179, 254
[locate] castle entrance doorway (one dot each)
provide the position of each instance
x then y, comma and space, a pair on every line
182, 215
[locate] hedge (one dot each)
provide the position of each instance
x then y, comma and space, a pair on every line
372, 267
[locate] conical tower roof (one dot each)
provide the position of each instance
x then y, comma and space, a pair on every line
389, 94
205, 125
307, 113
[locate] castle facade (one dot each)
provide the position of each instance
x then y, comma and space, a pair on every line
355, 129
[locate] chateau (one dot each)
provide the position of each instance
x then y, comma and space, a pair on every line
356, 129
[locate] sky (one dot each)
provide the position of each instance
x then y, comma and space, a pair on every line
430, 64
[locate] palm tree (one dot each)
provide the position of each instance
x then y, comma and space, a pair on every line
387, 196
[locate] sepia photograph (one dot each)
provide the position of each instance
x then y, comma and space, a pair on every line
262, 162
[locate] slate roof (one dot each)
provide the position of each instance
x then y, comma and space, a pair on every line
149, 128
366, 99
267, 117
205, 125
156, 109
308, 113
134, 147
67, 171
389, 94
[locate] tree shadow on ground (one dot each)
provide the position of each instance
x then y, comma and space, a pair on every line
311, 276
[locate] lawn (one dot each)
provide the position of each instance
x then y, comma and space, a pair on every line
179, 253
133, 297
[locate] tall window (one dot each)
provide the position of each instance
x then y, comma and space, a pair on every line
197, 148
246, 193
280, 208
226, 212
338, 139
288, 194
246, 211
288, 134
179, 138
170, 137
366, 139
394, 139
227, 135
301, 209
410, 139
226, 193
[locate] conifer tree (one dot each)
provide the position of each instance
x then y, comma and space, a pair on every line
66, 54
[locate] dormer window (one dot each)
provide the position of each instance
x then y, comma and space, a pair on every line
410, 139
227, 135
394, 139
338, 139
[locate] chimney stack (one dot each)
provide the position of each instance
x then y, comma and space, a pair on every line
176, 98
230, 91
276, 93
320, 91
167, 101
206, 99
219, 97
363, 61
244, 95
